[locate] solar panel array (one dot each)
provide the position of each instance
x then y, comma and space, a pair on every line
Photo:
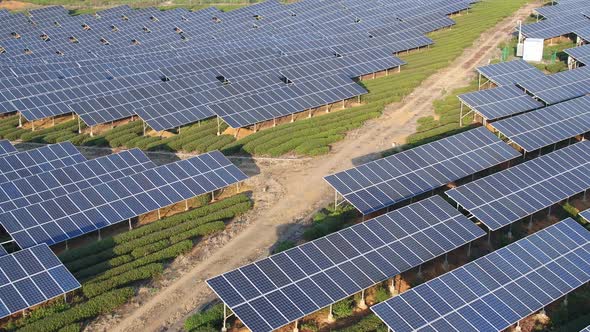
585, 214
580, 54
384, 182
32, 276
497, 290
282, 288
500, 102
559, 87
549, 125
78, 212
583, 33
511, 72
562, 9
150, 63
508, 196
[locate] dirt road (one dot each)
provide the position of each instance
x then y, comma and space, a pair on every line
305, 189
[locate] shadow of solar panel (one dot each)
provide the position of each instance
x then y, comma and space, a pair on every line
272, 292
508, 196
22, 164
547, 126
76, 213
499, 289
30, 277
55, 183
500, 102
384, 182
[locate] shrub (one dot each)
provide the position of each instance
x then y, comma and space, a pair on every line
71, 328
366, 324
210, 318
99, 305
283, 245
343, 309
93, 289
159, 256
202, 230
150, 248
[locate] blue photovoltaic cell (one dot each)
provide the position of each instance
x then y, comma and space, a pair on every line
508, 73
30, 277
76, 213
47, 185
6, 147
549, 125
497, 290
587, 329
508, 196
559, 87
500, 102
272, 292
585, 214
580, 54
22, 164
382, 183
556, 26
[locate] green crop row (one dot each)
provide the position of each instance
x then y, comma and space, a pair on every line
92, 289
98, 305
209, 318
171, 252
94, 252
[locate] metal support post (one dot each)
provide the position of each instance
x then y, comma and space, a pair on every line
295, 328
461, 116
392, 289
335, 199
130, 226
490, 237
469, 250
530, 227
99, 236
219, 127
362, 304
420, 275
510, 231
20, 120
330, 316
224, 328
159, 214
186, 205
446, 262
79, 126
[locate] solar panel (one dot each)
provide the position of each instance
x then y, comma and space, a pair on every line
508, 73
272, 292
587, 329
549, 125
562, 9
48, 185
556, 26
30, 277
18, 165
580, 54
71, 215
508, 196
500, 102
497, 290
292, 98
583, 33
561, 86
382, 183
6, 147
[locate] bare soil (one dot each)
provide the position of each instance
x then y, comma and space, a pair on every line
288, 193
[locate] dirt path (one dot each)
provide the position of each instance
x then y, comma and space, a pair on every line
305, 190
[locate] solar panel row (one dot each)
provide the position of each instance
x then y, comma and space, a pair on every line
547, 126
559, 87
496, 291
500, 102
580, 54
272, 292
382, 183
508, 196
78, 212
510, 72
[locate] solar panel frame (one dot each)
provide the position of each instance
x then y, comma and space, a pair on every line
42, 278
580, 54
510, 195
559, 87
384, 182
497, 290
339, 265
6, 147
